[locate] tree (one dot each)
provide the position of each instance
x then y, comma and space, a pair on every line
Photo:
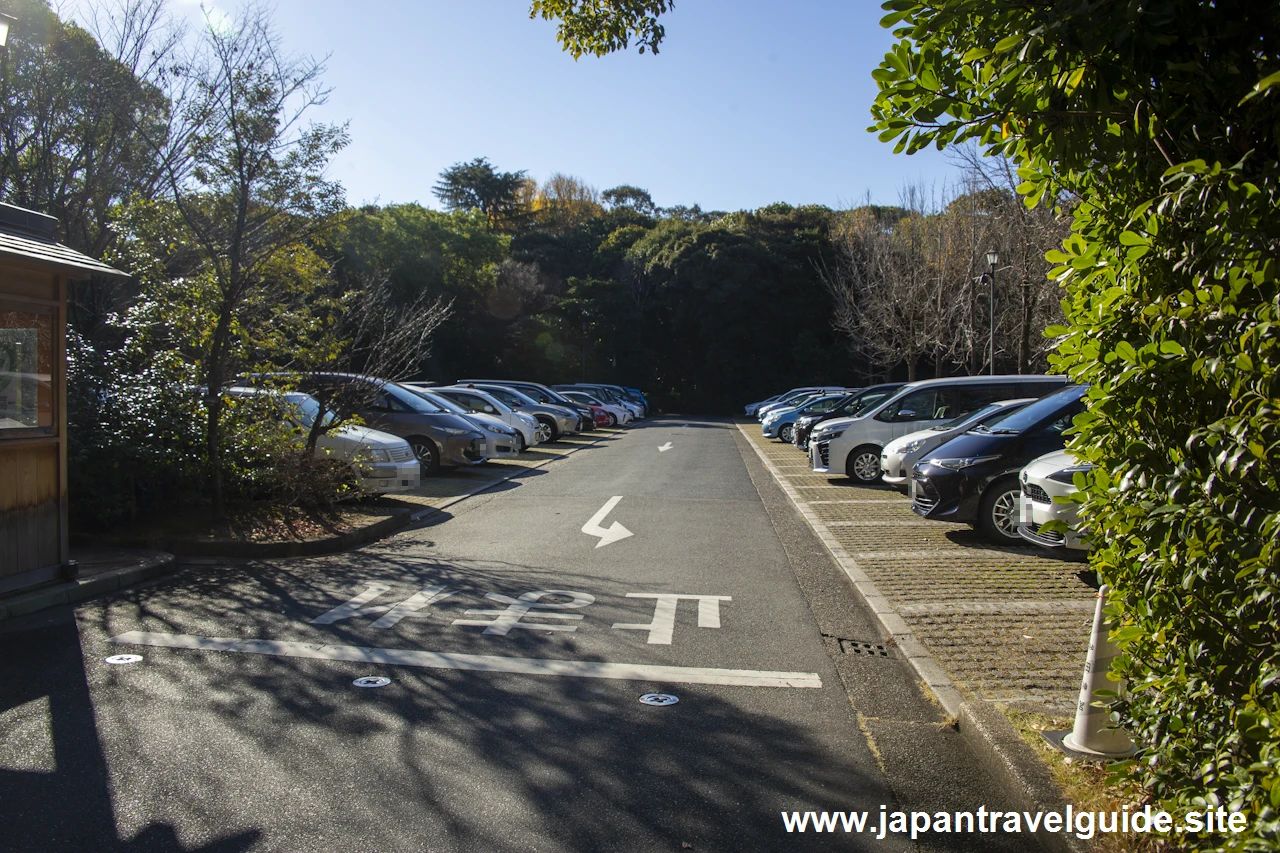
600, 27
633, 197
563, 202
1158, 120
478, 186
252, 181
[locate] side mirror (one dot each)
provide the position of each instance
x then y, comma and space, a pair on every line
906, 415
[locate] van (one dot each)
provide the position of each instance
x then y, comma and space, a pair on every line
852, 446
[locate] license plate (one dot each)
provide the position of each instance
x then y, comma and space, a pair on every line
1024, 510
911, 489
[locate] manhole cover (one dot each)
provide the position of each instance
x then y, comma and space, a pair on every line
372, 681
119, 659
659, 699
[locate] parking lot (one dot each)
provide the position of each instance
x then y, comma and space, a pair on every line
1008, 624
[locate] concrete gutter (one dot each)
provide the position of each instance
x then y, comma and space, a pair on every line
148, 566
1006, 757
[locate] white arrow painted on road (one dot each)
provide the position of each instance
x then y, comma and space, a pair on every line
664, 448
614, 532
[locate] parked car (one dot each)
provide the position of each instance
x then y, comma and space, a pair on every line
499, 439
849, 406
901, 454
1043, 479
852, 446
545, 396
606, 394
617, 415
439, 438
531, 430
780, 423
380, 463
795, 395
481, 402
974, 478
751, 408
557, 420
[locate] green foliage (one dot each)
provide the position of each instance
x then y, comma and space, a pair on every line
600, 27
479, 186
1161, 119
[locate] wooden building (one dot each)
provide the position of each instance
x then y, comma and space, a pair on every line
34, 271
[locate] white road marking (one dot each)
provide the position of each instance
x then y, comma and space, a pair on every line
352, 607
664, 448
614, 532
410, 606
479, 663
664, 615
518, 608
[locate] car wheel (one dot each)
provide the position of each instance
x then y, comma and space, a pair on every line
998, 512
524, 445
547, 430
863, 464
427, 452
787, 433
613, 419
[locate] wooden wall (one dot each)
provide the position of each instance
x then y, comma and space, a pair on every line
33, 478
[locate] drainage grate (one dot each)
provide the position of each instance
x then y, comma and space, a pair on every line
869, 650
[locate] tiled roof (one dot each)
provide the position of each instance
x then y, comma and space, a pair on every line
31, 248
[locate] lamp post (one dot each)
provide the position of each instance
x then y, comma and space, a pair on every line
993, 258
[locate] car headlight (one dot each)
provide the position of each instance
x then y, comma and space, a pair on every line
454, 431
912, 447
959, 463
378, 455
1067, 475
827, 436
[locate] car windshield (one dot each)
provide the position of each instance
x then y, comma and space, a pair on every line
512, 398
1028, 416
442, 401
968, 417
869, 401
305, 409
412, 401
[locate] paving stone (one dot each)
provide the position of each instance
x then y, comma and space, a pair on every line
1007, 623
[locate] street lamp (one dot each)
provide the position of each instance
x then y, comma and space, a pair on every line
993, 258
6, 21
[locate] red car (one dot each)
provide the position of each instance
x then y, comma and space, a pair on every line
603, 418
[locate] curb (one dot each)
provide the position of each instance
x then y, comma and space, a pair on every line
267, 550
1001, 751
75, 591
418, 515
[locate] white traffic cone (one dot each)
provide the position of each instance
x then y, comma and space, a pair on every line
1094, 736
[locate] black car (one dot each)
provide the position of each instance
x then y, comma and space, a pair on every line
843, 409
974, 477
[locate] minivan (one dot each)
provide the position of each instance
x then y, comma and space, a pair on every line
852, 446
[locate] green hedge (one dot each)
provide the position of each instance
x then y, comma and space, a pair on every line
1160, 121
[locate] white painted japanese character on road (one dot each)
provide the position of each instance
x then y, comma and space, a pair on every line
411, 606
529, 602
664, 615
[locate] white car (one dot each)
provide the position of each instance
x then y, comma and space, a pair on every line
900, 455
852, 446
499, 439
621, 416
382, 463
1043, 479
480, 402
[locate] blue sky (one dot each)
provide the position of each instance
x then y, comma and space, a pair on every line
749, 101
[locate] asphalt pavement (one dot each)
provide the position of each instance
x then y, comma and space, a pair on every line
517, 632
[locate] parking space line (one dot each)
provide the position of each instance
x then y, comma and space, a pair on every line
479, 663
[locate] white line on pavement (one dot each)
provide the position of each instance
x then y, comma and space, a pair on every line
613, 532
478, 663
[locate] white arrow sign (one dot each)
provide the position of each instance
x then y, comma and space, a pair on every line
614, 532
664, 448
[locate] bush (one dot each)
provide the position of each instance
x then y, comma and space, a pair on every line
1161, 120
